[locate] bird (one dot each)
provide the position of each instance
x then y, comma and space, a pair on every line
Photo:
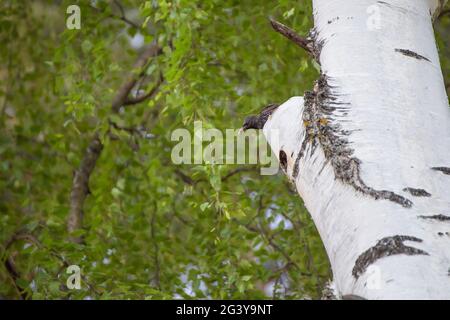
258, 121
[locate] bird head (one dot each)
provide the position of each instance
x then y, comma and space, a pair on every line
250, 122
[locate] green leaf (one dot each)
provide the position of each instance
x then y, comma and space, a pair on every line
204, 206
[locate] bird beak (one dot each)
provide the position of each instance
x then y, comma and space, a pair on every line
241, 130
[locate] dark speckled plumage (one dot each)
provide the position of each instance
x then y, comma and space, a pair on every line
258, 121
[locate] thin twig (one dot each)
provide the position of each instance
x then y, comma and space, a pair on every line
186, 179
190, 181
122, 17
236, 171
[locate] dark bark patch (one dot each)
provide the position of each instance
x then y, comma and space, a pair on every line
412, 54
417, 192
315, 44
438, 217
444, 170
283, 160
321, 127
385, 247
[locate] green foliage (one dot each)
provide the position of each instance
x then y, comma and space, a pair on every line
151, 229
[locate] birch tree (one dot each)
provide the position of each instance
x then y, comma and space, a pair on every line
90, 198
368, 148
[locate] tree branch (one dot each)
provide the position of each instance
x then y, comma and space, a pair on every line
292, 35
121, 97
30, 238
10, 265
150, 94
80, 184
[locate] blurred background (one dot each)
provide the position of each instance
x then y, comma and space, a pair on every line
86, 176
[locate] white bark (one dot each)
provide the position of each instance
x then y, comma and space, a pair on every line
384, 103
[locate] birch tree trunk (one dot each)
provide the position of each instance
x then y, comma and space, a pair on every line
369, 148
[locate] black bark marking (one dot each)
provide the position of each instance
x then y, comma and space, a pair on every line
417, 192
403, 10
412, 54
333, 20
444, 170
319, 115
258, 121
439, 217
299, 157
385, 247
283, 160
